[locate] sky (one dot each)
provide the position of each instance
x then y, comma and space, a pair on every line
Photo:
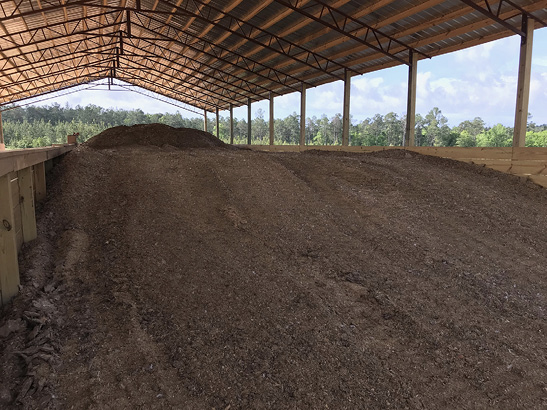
476, 82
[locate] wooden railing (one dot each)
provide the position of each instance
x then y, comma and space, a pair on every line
22, 183
526, 162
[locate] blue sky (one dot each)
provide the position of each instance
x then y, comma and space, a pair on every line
477, 82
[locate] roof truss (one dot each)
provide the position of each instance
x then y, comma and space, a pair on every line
216, 53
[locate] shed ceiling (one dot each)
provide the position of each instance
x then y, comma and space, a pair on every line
213, 53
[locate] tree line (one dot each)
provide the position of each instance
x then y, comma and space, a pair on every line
36, 126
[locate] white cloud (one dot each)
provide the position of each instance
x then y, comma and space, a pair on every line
474, 54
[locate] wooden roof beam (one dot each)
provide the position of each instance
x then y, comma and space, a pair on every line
153, 83
219, 80
176, 81
59, 86
363, 11
488, 12
218, 52
340, 23
268, 40
224, 77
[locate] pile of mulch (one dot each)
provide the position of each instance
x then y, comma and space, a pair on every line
158, 135
233, 279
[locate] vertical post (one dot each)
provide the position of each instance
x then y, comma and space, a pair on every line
410, 129
28, 217
271, 124
249, 120
2, 145
217, 122
9, 268
345, 116
303, 115
232, 124
523, 88
205, 120
40, 181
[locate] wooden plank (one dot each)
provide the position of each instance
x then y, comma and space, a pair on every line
527, 169
19, 240
17, 219
303, 115
14, 189
530, 153
410, 126
465, 153
14, 160
523, 84
346, 108
271, 120
502, 168
27, 204
9, 268
539, 179
40, 181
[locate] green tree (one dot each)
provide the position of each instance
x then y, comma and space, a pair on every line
497, 136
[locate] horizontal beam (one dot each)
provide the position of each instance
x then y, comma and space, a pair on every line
18, 159
494, 16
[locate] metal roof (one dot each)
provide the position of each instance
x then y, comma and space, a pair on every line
213, 53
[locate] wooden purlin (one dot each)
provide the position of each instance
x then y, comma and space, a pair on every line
41, 40
64, 61
173, 80
54, 87
362, 11
221, 52
419, 43
340, 25
197, 68
159, 85
257, 7
302, 55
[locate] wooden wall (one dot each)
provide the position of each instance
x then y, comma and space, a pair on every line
526, 162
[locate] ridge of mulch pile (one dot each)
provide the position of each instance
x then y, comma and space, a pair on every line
159, 135
233, 279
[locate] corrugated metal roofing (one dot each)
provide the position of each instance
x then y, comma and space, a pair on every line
213, 53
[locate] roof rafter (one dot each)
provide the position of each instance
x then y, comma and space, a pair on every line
347, 25
217, 53
220, 53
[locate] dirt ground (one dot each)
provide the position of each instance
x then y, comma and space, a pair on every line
216, 278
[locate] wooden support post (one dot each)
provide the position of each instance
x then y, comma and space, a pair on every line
2, 144
271, 124
523, 87
410, 129
231, 124
205, 120
217, 122
9, 268
303, 115
40, 181
28, 216
249, 121
345, 116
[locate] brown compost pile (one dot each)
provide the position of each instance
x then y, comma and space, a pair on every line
230, 279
